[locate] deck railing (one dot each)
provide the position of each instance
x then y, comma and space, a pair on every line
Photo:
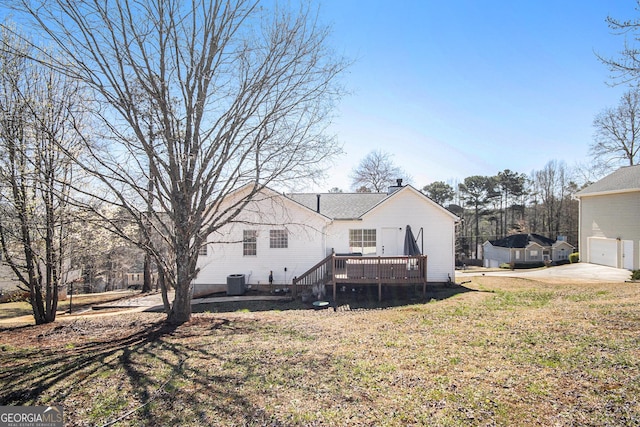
318, 274
357, 270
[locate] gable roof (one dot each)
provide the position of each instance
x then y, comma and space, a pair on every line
339, 205
623, 180
522, 241
421, 195
354, 205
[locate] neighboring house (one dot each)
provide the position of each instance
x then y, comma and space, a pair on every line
9, 281
133, 280
286, 235
525, 249
609, 229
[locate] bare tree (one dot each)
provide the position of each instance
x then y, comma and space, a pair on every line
617, 133
376, 172
36, 105
552, 183
626, 67
100, 255
240, 95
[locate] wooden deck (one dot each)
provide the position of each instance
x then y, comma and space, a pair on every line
366, 271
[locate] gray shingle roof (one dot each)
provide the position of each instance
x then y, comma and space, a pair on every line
340, 205
522, 240
624, 179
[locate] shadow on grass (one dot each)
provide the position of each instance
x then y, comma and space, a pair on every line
36, 370
99, 381
153, 373
11, 310
347, 297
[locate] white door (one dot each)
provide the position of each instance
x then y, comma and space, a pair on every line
603, 251
390, 241
627, 254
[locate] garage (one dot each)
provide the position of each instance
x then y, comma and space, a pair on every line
603, 251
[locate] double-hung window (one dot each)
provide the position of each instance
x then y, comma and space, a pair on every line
202, 251
249, 242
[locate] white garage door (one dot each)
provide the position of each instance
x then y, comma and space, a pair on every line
603, 251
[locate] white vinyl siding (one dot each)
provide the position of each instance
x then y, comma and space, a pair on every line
311, 237
610, 217
407, 207
243, 246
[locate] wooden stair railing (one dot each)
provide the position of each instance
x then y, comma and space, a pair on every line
319, 273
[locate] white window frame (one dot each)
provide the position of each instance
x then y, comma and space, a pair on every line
363, 240
278, 239
249, 242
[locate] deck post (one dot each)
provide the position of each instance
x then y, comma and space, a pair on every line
379, 281
333, 275
423, 261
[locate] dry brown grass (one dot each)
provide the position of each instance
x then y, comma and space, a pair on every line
509, 352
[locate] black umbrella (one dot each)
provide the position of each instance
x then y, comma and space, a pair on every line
410, 246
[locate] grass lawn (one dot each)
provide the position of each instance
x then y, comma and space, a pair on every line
507, 352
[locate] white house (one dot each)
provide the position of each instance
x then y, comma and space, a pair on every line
609, 229
286, 235
525, 249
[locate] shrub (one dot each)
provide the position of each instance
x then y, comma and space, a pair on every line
14, 296
522, 265
635, 275
525, 265
574, 257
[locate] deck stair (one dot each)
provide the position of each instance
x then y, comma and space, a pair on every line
320, 274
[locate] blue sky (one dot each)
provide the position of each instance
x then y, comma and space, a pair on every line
460, 88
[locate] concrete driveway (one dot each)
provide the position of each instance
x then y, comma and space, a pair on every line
581, 272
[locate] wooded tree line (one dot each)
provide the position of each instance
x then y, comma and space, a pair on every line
492, 207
